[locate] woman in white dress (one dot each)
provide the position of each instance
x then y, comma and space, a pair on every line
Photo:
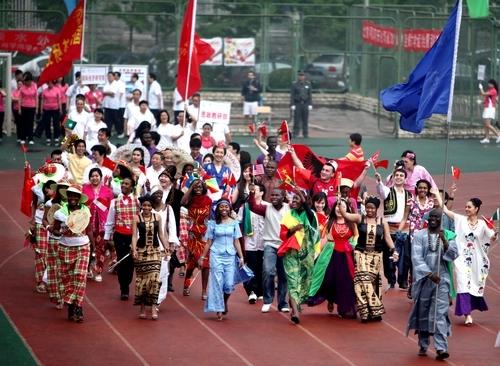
92, 129
472, 265
168, 132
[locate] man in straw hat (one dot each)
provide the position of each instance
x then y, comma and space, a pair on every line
122, 211
71, 223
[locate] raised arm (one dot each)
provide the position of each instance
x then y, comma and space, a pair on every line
356, 218
295, 158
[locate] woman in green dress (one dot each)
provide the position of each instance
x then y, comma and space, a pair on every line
299, 233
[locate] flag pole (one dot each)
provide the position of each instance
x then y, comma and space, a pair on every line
190, 58
449, 115
83, 31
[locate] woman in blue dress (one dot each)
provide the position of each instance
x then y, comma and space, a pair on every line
225, 256
217, 169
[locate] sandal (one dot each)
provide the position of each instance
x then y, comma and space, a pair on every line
330, 307
186, 292
154, 313
220, 316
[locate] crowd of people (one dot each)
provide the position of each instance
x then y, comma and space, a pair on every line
185, 197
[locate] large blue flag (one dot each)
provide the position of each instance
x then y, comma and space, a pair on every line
428, 88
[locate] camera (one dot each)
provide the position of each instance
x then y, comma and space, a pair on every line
399, 164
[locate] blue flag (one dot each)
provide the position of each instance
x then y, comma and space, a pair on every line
428, 88
70, 5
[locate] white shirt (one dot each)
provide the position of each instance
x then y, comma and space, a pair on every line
122, 90
152, 176
169, 226
136, 120
130, 110
91, 130
397, 217
178, 101
166, 132
73, 91
81, 120
111, 102
219, 132
107, 174
194, 112
155, 98
140, 85
183, 141
112, 148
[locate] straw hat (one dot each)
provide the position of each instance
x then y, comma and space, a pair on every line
51, 212
62, 184
344, 182
75, 189
78, 220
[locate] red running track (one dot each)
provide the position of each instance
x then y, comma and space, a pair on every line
185, 335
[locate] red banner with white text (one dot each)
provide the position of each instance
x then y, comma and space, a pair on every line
379, 35
27, 42
419, 40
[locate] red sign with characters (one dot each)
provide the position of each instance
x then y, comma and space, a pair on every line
29, 43
378, 35
419, 40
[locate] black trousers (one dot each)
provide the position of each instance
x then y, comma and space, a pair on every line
27, 121
18, 123
301, 119
254, 260
49, 119
156, 113
2, 116
125, 268
389, 265
112, 118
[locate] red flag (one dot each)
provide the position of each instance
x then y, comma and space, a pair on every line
192, 53
27, 195
381, 164
263, 130
285, 174
489, 222
251, 128
284, 132
374, 158
302, 177
24, 148
68, 47
108, 163
455, 172
338, 179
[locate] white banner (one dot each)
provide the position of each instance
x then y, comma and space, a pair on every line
128, 70
92, 74
239, 51
481, 71
216, 44
214, 112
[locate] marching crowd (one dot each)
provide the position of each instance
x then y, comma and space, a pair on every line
287, 223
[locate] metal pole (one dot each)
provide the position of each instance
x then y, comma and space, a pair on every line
8, 92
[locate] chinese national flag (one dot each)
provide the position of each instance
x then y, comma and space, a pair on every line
67, 48
27, 195
200, 51
455, 172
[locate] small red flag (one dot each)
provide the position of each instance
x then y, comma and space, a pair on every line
455, 172
489, 222
67, 48
108, 163
24, 148
251, 128
263, 130
374, 158
191, 56
27, 195
284, 132
381, 164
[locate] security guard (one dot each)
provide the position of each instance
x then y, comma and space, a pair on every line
301, 104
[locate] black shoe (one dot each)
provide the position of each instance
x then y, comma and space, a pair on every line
377, 319
295, 319
442, 355
124, 297
422, 352
71, 311
170, 288
78, 316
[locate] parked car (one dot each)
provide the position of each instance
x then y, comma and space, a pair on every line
36, 65
329, 71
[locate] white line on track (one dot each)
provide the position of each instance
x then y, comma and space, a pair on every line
317, 339
20, 336
211, 331
108, 323
117, 333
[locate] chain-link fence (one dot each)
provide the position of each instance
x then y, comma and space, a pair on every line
327, 41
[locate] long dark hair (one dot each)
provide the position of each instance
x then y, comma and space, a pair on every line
321, 196
242, 183
142, 154
494, 83
333, 215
